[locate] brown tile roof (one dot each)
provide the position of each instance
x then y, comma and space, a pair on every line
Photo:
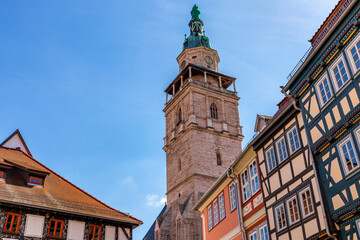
58, 193
337, 6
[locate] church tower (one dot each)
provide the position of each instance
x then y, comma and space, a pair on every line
203, 133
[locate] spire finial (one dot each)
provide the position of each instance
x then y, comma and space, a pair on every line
195, 12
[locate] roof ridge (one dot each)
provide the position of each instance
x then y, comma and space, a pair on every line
128, 215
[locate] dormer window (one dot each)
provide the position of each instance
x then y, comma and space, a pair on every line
35, 181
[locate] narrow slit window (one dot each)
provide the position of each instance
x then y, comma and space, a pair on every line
213, 111
179, 164
179, 117
218, 159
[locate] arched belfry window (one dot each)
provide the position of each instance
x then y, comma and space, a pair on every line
213, 111
179, 117
218, 159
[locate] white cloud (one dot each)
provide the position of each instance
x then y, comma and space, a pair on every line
153, 200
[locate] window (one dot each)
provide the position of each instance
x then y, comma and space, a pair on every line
232, 196
293, 210
222, 206
264, 234
35, 181
55, 228
270, 157
354, 52
281, 148
293, 140
216, 212
12, 223
94, 232
339, 73
245, 186
323, 90
179, 164
2, 177
213, 111
179, 117
253, 236
280, 217
348, 155
306, 202
254, 177
218, 159
210, 223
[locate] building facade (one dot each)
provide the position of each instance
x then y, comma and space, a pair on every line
37, 203
290, 188
203, 134
326, 85
238, 186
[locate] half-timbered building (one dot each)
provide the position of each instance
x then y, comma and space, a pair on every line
291, 195
326, 84
37, 203
240, 186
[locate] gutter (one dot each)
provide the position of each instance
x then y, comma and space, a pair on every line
315, 172
239, 208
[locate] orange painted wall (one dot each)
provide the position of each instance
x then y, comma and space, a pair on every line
227, 224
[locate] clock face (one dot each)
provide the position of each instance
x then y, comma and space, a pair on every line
209, 60
182, 64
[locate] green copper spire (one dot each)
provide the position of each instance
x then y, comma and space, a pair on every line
195, 12
197, 34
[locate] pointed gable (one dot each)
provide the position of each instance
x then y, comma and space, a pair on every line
16, 141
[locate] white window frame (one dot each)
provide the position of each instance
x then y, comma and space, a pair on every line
288, 210
302, 203
318, 92
350, 57
289, 139
358, 225
232, 198
276, 217
341, 154
216, 212
222, 206
253, 190
267, 158
245, 185
251, 235
267, 231
210, 218
278, 150
333, 77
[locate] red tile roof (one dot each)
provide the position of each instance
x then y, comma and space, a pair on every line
58, 193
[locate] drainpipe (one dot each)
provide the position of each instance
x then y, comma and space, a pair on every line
239, 207
315, 171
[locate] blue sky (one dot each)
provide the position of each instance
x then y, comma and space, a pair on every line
84, 81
